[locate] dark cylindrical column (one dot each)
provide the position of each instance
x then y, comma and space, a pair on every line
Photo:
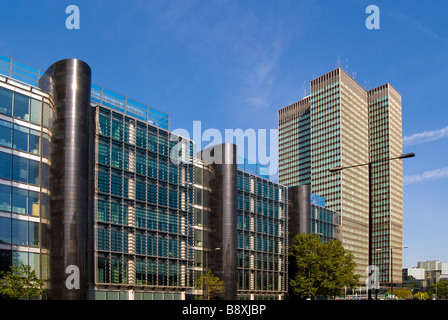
69, 82
223, 217
299, 210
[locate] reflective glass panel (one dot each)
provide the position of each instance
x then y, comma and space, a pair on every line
19, 232
5, 101
5, 230
20, 169
5, 133
5, 165
34, 142
19, 200
21, 106
5, 198
20, 141
36, 111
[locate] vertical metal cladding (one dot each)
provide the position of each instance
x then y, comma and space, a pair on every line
223, 245
69, 82
299, 210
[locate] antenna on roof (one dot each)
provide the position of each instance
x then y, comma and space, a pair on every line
354, 74
339, 61
367, 84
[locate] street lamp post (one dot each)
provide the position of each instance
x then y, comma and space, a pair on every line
369, 164
391, 270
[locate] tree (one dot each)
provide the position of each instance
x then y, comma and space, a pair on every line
318, 268
442, 289
211, 285
21, 281
402, 293
421, 296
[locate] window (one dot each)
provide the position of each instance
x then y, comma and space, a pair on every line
5, 133
117, 158
33, 234
5, 198
141, 164
5, 165
34, 142
20, 141
19, 200
104, 125
103, 153
36, 111
21, 106
117, 129
5, 101
103, 239
5, 230
33, 203
103, 213
103, 182
20, 169
19, 232
46, 145
140, 217
33, 172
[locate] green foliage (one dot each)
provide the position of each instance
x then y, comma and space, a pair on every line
402, 293
21, 281
211, 285
421, 296
318, 268
442, 289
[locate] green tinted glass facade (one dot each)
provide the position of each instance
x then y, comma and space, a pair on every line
143, 207
261, 237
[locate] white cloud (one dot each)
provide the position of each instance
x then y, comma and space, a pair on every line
426, 136
426, 176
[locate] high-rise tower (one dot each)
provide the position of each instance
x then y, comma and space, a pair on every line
342, 124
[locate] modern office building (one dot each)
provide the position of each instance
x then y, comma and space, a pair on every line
341, 124
95, 188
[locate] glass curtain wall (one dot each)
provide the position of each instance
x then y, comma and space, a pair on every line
143, 207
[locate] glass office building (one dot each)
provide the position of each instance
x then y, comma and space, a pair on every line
143, 209
91, 186
262, 247
26, 117
342, 124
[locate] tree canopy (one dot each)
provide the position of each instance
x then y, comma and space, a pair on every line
211, 285
319, 268
21, 281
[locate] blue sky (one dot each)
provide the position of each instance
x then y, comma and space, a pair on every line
233, 64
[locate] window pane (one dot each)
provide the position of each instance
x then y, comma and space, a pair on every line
34, 140
5, 198
5, 134
21, 106
33, 234
5, 165
46, 115
20, 169
45, 206
19, 232
45, 145
103, 153
45, 181
33, 203
21, 138
19, 200
5, 230
34, 172
5, 101
36, 111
